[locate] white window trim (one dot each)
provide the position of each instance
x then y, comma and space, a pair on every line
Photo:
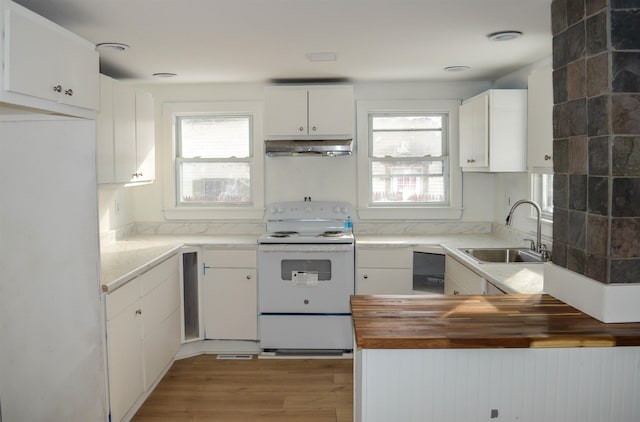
453, 211
171, 210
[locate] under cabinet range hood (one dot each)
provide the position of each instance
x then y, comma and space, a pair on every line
324, 147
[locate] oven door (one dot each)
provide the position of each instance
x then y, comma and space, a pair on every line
305, 278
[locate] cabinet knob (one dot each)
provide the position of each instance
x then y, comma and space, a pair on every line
455, 292
138, 311
306, 301
313, 128
301, 128
69, 92
365, 276
248, 277
57, 88
547, 157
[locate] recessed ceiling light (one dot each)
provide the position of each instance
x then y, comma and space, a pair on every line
504, 35
456, 68
164, 75
322, 57
117, 46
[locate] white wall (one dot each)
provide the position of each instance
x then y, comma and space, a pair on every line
290, 178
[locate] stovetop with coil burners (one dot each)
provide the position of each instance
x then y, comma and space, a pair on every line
307, 222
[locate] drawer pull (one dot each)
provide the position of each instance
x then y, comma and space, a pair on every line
138, 311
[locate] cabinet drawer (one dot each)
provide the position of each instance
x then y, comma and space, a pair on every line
157, 275
384, 258
231, 258
120, 299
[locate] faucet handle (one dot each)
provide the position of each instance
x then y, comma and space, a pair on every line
532, 243
544, 252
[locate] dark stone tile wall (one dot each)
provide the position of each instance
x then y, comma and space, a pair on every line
596, 79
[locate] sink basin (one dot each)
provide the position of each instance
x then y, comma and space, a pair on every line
502, 255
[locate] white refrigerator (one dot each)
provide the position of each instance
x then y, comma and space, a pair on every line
52, 342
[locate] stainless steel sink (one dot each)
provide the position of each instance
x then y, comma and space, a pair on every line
503, 255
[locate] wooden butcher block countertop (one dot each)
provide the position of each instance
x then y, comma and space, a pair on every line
501, 321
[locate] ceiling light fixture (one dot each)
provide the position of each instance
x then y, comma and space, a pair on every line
504, 35
322, 57
456, 68
116, 46
164, 75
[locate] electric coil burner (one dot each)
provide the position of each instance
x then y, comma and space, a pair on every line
305, 279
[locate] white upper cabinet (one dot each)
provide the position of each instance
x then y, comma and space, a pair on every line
308, 112
493, 131
126, 135
540, 124
46, 67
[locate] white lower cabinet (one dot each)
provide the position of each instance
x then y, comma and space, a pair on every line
384, 271
230, 294
459, 280
143, 334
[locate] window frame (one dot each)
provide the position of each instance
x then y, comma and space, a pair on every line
444, 158
367, 209
253, 210
536, 195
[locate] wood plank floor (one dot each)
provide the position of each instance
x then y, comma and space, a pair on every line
204, 388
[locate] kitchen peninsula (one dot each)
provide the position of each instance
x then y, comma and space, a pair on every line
506, 357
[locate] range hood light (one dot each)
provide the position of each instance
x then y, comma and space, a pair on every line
325, 147
504, 35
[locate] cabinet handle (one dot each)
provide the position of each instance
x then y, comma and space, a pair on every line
136, 175
455, 292
57, 88
301, 128
365, 276
471, 160
138, 311
69, 92
547, 157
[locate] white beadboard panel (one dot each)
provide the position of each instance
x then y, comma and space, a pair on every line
527, 385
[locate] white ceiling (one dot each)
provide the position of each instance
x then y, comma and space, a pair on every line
263, 40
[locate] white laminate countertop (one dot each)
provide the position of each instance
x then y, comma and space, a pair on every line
125, 259
525, 278
122, 260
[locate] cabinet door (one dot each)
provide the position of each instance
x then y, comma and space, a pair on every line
104, 128
474, 133
452, 287
79, 75
285, 112
124, 347
331, 111
463, 278
384, 281
32, 58
231, 303
145, 137
124, 132
540, 119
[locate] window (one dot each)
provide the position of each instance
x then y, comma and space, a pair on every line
542, 193
213, 160
405, 151
408, 159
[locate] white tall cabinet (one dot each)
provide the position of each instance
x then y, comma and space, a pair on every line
52, 348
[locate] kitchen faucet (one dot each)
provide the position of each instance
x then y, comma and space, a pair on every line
539, 247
